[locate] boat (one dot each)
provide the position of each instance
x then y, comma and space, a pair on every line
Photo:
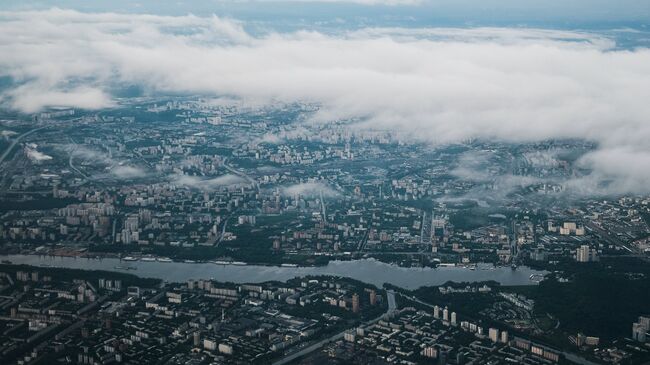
125, 268
148, 259
164, 259
536, 278
129, 258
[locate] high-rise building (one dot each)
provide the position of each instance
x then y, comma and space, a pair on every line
493, 334
586, 254
355, 303
436, 312
445, 314
373, 297
430, 352
641, 329
453, 318
349, 336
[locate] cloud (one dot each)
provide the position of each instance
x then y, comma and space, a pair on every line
128, 172
33, 97
432, 85
543, 159
614, 170
87, 154
7, 133
35, 155
208, 184
269, 138
312, 189
472, 166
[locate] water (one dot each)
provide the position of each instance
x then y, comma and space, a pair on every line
367, 270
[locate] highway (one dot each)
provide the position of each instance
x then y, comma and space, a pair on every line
223, 230
392, 306
240, 174
15, 142
71, 164
613, 240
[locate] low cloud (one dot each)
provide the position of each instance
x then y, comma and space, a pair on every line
35, 155
7, 133
310, 189
128, 172
207, 184
543, 159
31, 98
433, 85
614, 170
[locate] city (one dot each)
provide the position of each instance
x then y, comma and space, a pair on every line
256, 201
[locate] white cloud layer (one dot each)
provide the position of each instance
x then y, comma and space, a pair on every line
128, 172
437, 85
310, 189
207, 184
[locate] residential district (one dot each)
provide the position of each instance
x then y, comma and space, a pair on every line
189, 180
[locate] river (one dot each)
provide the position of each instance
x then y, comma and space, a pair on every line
366, 270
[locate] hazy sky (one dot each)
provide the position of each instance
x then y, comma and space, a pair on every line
435, 82
550, 13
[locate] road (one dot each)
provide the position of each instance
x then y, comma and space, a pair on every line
240, 174
417, 300
71, 164
392, 306
15, 142
223, 230
614, 240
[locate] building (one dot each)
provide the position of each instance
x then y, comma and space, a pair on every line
225, 349
349, 336
373, 297
355, 303
504, 336
641, 329
209, 345
430, 352
586, 254
493, 334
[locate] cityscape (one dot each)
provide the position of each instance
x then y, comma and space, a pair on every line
324, 182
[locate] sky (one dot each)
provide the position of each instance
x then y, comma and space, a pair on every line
439, 71
293, 14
